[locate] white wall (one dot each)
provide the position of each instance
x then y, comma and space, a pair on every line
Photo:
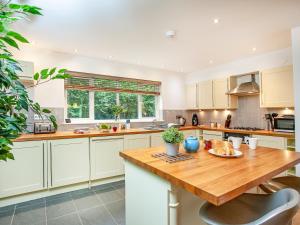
296, 64
265, 61
52, 94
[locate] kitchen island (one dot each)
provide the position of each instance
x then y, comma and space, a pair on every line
164, 193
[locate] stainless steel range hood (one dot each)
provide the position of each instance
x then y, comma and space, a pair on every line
246, 88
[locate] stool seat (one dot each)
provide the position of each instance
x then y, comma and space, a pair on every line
279, 183
254, 209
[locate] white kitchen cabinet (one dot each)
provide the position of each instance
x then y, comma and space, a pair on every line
277, 88
205, 94
220, 98
156, 140
27, 173
105, 158
191, 96
68, 161
188, 133
136, 141
271, 142
212, 135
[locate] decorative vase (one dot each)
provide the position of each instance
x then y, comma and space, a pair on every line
172, 149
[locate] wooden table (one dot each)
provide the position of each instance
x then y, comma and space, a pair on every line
215, 179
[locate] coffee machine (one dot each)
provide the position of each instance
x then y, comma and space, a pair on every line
195, 120
180, 120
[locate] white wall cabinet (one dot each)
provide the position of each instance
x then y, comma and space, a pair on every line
220, 98
105, 158
27, 173
205, 94
68, 161
136, 141
212, 135
277, 88
212, 94
191, 97
156, 140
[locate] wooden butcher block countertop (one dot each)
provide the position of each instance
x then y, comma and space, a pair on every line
216, 179
95, 133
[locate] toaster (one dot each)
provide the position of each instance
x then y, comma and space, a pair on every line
43, 128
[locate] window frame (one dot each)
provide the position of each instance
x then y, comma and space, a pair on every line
91, 118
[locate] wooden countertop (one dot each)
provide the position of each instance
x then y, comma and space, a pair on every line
92, 133
257, 132
216, 179
95, 133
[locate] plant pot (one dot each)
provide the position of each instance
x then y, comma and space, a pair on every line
172, 149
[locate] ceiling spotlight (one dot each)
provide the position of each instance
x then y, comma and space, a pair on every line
109, 57
76, 50
211, 62
216, 21
254, 49
170, 34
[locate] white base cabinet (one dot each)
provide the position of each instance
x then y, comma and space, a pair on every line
68, 161
27, 173
271, 142
212, 135
156, 140
136, 141
105, 159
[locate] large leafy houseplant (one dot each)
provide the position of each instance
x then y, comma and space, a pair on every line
15, 102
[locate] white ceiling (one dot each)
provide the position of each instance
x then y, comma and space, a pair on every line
132, 31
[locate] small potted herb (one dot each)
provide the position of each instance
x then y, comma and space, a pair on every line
104, 127
173, 137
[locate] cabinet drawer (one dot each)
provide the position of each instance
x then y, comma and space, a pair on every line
271, 142
212, 132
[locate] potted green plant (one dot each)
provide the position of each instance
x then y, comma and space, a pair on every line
117, 110
103, 127
172, 137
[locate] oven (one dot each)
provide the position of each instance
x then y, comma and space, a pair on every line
285, 123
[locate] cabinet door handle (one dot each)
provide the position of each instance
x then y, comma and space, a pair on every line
43, 165
51, 180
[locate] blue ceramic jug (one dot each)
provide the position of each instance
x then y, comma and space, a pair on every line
191, 144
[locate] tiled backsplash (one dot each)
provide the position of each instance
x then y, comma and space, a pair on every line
248, 114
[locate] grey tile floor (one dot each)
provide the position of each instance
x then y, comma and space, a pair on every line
101, 205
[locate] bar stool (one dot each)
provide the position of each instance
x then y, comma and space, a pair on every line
279, 183
254, 209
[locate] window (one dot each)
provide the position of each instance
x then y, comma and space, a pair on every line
78, 104
91, 97
148, 106
103, 102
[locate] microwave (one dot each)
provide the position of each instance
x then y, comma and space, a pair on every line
284, 123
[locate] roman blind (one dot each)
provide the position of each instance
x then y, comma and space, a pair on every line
95, 82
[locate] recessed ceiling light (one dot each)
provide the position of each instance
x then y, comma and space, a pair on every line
216, 21
109, 57
254, 49
211, 62
170, 34
76, 50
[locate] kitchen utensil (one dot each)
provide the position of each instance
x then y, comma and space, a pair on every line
235, 155
228, 121
44, 128
251, 142
269, 119
195, 121
191, 144
180, 120
236, 142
